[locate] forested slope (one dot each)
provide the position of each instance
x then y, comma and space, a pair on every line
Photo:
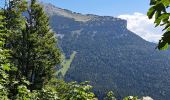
110, 56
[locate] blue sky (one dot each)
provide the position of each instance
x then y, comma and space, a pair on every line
103, 7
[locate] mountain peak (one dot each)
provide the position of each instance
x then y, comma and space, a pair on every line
53, 10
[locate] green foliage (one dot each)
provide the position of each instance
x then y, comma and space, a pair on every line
74, 91
23, 93
4, 64
15, 24
131, 98
43, 52
158, 10
32, 43
45, 94
110, 96
28, 56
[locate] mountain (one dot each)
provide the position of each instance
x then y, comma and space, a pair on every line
104, 52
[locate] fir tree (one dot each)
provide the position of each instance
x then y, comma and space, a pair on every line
45, 53
30, 45
12, 25
15, 41
4, 65
33, 44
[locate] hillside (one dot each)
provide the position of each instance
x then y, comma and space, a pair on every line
110, 56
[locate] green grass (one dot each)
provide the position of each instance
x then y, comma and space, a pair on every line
66, 63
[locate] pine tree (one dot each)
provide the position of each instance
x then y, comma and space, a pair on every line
15, 23
32, 42
44, 52
8, 83
12, 25
4, 65
30, 45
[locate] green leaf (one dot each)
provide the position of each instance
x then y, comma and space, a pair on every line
152, 2
166, 2
151, 12
5, 67
167, 25
164, 42
26, 82
1, 43
1, 87
161, 17
165, 47
157, 22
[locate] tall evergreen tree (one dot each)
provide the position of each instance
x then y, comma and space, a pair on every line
8, 83
11, 29
44, 52
30, 45
33, 44
15, 23
4, 65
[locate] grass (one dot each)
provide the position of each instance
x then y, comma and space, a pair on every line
66, 63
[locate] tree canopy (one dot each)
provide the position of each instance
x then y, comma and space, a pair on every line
159, 12
29, 55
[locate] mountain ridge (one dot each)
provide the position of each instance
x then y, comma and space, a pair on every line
111, 57
52, 10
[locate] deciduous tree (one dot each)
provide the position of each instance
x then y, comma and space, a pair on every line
159, 12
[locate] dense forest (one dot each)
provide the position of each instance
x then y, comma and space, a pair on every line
109, 55
33, 62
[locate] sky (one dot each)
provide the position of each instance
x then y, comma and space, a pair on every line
103, 7
134, 11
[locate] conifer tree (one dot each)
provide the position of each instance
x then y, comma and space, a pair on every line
8, 72
4, 67
45, 53
27, 42
33, 44
15, 23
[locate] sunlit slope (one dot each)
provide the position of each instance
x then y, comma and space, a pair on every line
110, 56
